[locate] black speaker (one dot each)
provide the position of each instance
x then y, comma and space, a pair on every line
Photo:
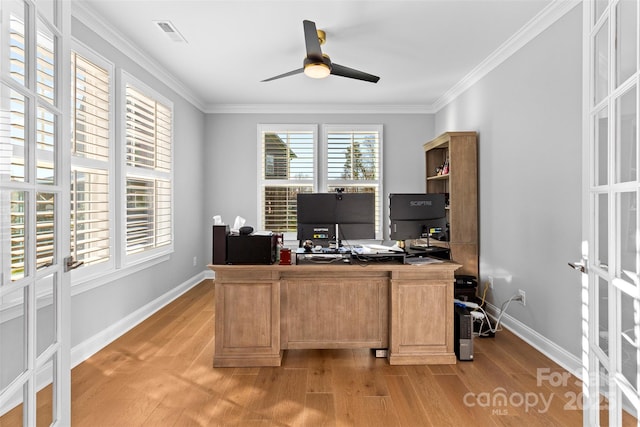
219, 255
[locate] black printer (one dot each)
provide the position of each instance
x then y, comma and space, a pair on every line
251, 248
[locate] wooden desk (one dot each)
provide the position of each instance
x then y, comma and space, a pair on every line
262, 310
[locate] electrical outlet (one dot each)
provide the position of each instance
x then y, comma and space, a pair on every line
490, 282
195, 261
522, 297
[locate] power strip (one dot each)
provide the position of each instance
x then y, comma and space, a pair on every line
468, 304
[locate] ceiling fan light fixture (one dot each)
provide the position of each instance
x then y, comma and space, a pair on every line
317, 70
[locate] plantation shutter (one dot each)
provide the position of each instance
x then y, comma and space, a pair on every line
354, 161
148, 178
90, 162
288, 168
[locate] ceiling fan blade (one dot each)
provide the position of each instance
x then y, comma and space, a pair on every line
311, 40
290, 73
341, 70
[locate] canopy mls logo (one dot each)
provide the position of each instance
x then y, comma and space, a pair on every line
501, 402
416, 203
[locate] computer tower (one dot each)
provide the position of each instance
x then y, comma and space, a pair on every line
463, 333
219, 245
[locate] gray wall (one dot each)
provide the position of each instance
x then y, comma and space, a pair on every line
528, 115
231, 152
97, 309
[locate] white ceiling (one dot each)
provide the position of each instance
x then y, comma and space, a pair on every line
420, 49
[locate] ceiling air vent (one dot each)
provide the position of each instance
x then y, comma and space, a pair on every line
171, 31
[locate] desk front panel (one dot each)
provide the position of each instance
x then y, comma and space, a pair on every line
335, 311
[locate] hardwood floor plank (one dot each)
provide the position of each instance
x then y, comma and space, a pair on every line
231, 410
455, 391
289, 407
376, 411
268, 383
163, 416
320, 375
320, 410
440, 410
409, 407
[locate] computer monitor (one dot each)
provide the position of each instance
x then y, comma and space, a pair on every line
413, 215
326, 217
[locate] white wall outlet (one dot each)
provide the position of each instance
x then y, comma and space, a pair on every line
195, 261
490, 282
522, 297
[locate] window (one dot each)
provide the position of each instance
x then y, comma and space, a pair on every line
91, 199
288, 168
294, 160
354, 162
148, 228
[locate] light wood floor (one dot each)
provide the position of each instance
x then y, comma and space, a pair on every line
161, 374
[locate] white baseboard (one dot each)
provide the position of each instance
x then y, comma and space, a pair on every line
545, 346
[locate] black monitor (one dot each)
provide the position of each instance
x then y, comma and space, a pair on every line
325, 217
414, 215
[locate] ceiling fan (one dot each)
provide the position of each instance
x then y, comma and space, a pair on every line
318, 65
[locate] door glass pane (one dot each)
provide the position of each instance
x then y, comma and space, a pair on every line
600, 6
44, 398
626, 144
627, 39
629, 413
628, 340
18, 222
46, 8
45, 63
12, 336
13, 38
12, 128
603, 315
45, 229
601, 137
602, 233
45, 314
601, 63
628, 214
45, 139
603, 402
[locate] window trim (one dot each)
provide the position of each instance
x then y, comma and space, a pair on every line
148, 256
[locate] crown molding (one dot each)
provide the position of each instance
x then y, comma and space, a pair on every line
538, 24
87, 16
317, 109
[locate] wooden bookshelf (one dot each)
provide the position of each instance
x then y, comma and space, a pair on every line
459, 150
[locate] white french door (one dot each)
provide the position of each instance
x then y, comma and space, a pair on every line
34, 211
611, 285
